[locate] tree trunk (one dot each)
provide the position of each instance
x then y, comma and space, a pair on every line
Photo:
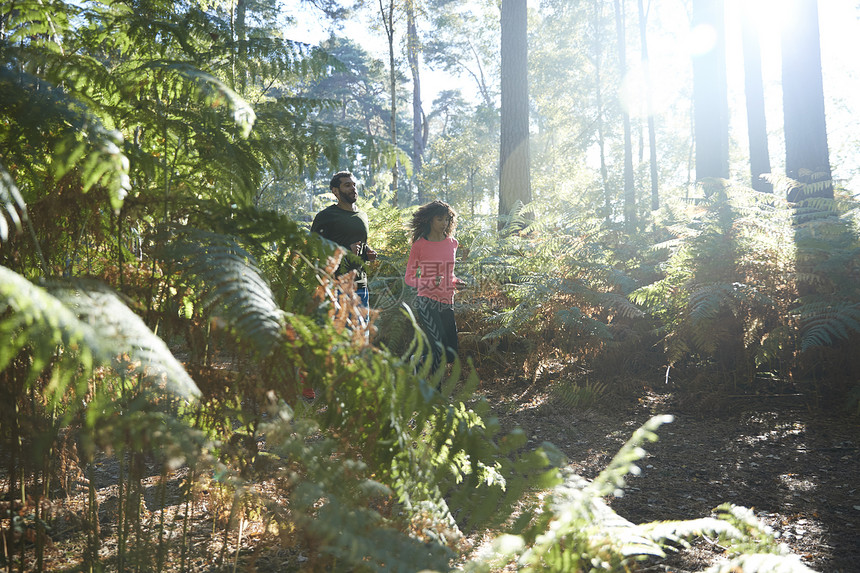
754, 92
710, 94
601, 139
649, 104
807, 159
514, 177
413, 50
239, 35
388, 24
629, 183
241, 29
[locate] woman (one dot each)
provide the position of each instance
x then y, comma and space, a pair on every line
431, 270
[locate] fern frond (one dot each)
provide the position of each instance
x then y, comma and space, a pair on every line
134, 348
82, 75
575, 529
581, 526
814, 209
621, 305
569, 394
331, 499
782, 184
680, 532
230, 284
611, 480
510, 321
706, 301
606, 277
267, 56
575, 526
210, 90
757, 549
655, 295
34, 319
823, 323
516, 219
574, 317
12, 203
74, 136
40, 23
92, 326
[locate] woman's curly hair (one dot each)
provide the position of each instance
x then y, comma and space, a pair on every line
420, 224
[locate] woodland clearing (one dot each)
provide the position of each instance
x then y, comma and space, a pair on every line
797, 468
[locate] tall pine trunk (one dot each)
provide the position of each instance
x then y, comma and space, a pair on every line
388, 24
649, 104
710, 94
514, 177
597, 47
756, 119
629, 183
807, 158
413, 52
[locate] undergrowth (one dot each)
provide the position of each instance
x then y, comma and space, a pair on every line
155, 319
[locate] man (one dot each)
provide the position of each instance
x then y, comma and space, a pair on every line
346, 225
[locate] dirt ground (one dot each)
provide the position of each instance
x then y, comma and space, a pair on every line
798, 469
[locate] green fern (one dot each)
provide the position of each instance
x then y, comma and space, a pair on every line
756, 549
228, 284
722, 293
825, 323
343, 525
92, 325
129, 341
576, 320
379, 401
12, 205
35, 321
568, 394
71, 134
764, 563
161, 74
575, 530
209, 90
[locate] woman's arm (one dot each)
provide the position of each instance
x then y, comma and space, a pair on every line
412, 267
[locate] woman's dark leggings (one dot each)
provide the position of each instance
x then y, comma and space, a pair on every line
437, 321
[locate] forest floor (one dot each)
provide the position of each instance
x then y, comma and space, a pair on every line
798, 469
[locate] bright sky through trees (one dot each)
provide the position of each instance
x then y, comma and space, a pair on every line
840, 42
671, 45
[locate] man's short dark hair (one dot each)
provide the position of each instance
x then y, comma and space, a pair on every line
335, 181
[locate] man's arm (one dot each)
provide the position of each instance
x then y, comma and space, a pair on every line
317, 225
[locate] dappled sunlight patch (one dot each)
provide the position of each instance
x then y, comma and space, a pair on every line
536, 401
796, 483
774, 430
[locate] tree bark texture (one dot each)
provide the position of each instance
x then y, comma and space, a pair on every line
807, 158
514, 176
652, 134
597, 47
413, 52
756, 118
388, 23
710, 94
629, 182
